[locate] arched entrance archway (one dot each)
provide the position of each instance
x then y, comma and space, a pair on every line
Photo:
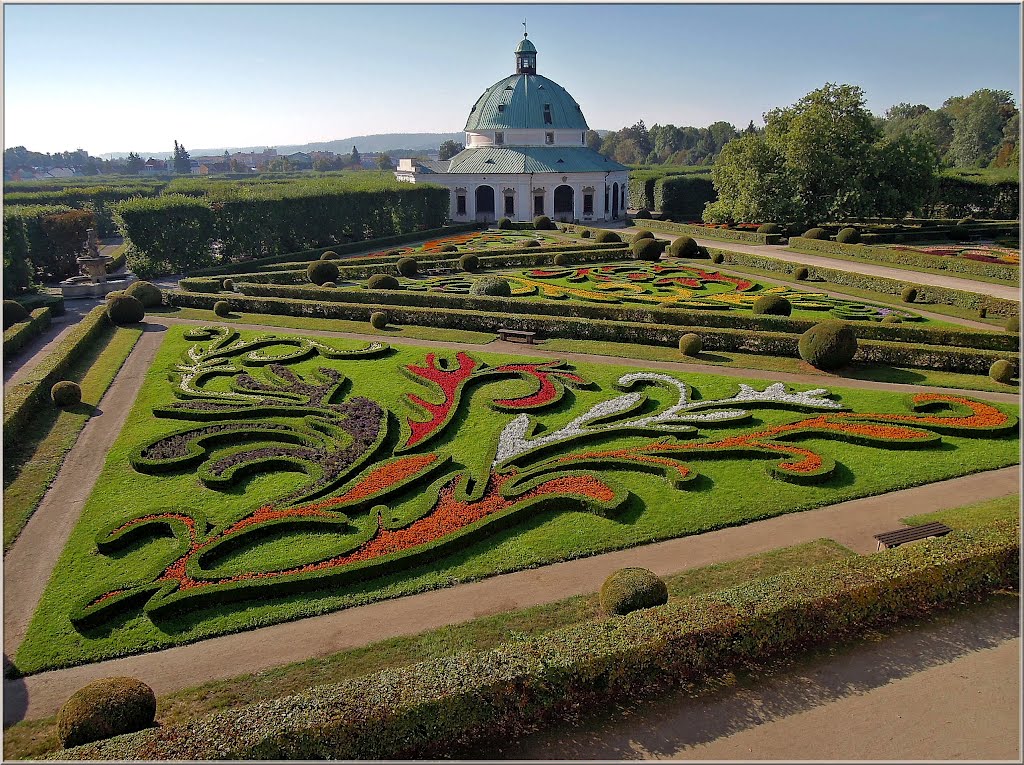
564, 203
615, 200
484, 204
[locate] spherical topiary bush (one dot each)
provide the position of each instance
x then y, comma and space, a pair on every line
603, 236
1002, 371
800, 274
505, 224
322, 271
106, 708
965, 221
562, 259
146, 293
641, 234
330, 255
227, 285
848, 235
630, 589
585, 233
718, 258
393, 253
648, 249
378, 320
892, 319
690, 344
960, 233
14, 312
114, 294
222, 308
383, 282
491, 286
643, 214
769, 228
1013, 324
449, 248
772, 305
828, 345
329, 285
815, 233
66, 393
543, 223
684, 247
406, 266
909, 294
124, 309
531, 243
469, 262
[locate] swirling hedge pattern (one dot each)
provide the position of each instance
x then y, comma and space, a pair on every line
357, 457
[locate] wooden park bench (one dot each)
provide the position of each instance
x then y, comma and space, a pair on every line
517, 335
911, 534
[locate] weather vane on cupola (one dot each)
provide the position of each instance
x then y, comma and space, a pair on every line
526, 55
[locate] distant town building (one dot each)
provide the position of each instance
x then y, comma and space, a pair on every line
526, 155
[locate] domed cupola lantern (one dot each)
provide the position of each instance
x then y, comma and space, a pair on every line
526, 57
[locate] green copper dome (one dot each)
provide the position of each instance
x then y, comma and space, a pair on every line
525, 101
525, 46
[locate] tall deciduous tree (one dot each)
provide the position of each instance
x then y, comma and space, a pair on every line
449, 149
135, 164
182, 161
978, 122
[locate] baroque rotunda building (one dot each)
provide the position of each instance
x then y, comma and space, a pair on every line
526, 155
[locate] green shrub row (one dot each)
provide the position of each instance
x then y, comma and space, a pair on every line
41, 243
23, 400
866, 330
342, 249
957, 196
683, 196
714, 339
43, 300
725, 234
19, 335
943, 233
98, 200
903, 258
972, 301
428, 709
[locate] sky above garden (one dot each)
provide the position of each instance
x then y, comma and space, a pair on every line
109, 78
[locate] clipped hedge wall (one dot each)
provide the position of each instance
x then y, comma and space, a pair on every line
972, 301
426, 709
953, 265
98, 200
22, 400
18, 271
19, 335
497, 315
724, 234
683, 196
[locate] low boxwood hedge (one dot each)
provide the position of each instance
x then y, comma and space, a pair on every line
22, 333
494, 314
423, 710
953, 265
705, 232
23, 400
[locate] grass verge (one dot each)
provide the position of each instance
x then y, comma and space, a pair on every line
31, 464
731, 359
31, 739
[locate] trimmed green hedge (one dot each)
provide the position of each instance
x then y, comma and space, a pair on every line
19, 335
866, 330
366, 245
1010, 274
765, 343
683, 196
23, 400
423, 710
926, 293
724, 234
43, 300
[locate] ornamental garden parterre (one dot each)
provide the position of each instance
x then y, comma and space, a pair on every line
263, 477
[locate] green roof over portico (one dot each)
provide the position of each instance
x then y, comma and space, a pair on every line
529, 159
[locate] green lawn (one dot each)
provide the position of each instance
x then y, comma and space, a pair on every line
31, 739
726, 492
32, 463
730, 359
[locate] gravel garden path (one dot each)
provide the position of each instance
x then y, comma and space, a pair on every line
18, 367
30, 560
1004, 291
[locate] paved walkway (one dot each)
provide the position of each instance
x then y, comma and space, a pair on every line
18, 367
1005, 291
849, 523
945, 690
519, 349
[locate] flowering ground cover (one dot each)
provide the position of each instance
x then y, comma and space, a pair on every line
261, 478
472, 240
669, 283
983, 253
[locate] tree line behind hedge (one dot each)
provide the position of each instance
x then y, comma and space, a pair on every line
178, 234
41, 243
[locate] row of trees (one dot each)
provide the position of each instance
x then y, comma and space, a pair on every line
664, 144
